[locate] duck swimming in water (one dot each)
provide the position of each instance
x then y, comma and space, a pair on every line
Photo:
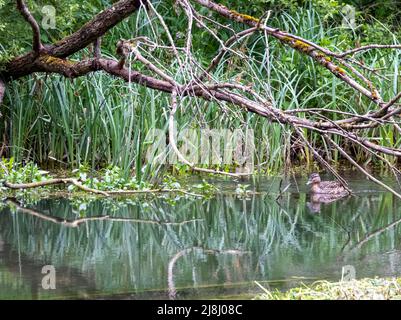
325, 187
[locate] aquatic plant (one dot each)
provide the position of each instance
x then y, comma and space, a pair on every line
361, 289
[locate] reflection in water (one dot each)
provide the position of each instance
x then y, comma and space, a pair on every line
172, 291
316, 200
184, 247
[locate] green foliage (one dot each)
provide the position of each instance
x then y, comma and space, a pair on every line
242, 189
16, 173
15, 32
108, 179
205, 187
100, 121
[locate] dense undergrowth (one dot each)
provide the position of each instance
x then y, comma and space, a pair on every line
111, 178
98, 121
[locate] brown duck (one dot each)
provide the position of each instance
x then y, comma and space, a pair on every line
325, 187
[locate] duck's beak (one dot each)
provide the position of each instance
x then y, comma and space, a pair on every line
309, 182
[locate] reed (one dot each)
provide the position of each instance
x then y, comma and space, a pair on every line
98, 120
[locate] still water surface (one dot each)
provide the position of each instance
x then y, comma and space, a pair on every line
185, 247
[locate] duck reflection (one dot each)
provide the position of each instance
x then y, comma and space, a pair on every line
316, 200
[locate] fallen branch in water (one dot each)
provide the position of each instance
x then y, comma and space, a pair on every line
79, 185
75, 182
170, 270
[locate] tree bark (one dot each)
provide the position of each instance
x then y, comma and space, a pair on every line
97, 27
2, 90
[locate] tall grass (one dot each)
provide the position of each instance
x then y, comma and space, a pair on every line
100, 120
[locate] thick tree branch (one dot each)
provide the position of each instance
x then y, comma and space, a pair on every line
97, 27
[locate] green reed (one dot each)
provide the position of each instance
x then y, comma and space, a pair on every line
99, 120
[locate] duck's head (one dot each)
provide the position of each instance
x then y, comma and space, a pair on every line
314, 178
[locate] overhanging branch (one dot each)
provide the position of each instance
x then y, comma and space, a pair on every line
92, 30
37, 44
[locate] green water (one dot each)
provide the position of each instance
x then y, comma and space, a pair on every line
181, 247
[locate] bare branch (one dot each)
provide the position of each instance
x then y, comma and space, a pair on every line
37, 44
97, 48
178, 153
75, 182
2, 90
355, 164
368, 47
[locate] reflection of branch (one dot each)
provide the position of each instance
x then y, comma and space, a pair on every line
57, 220
360, 243
78, 184
170, 270
153, 221
75, 223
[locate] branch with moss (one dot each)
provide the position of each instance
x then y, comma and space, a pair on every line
55, 58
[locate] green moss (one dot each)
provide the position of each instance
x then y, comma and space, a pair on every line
51, 60
287, 39
302, 46
244, 17
340, 70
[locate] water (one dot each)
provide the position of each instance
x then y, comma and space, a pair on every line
182, 247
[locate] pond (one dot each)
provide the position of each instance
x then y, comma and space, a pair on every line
183, 247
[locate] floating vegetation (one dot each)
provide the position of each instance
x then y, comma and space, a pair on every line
362, 289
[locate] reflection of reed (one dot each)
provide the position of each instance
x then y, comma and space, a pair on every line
132, 255
374, 233
172, 291
27, 276
76, 222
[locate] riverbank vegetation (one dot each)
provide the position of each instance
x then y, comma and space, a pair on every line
101, 100
361, 289
289, 79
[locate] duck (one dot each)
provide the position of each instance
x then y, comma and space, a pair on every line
320, 187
